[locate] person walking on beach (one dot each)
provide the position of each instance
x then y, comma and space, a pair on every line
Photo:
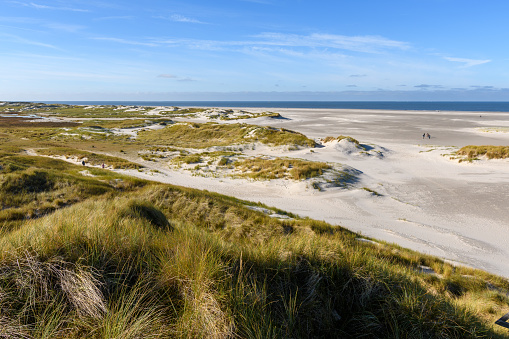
423, 135
429, 136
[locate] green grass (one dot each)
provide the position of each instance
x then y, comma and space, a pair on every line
279, 168
187, 159
373, 192
491, 152
173, 262
212, 134
341, 137
31, 187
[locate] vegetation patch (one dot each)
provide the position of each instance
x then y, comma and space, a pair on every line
212, 134
279, 168
224, 270
373, 192
33, 186
491, 152
341, 137
187, 159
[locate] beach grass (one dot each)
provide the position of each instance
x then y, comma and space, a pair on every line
278, 168
169, 262
490, 152
212, 134
31, 186
339, 138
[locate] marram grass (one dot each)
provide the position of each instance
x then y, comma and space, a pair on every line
212, 134
491, 152
170, 262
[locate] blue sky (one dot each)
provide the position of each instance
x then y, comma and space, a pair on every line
254, 50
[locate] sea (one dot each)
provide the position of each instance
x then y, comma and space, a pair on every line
468, 106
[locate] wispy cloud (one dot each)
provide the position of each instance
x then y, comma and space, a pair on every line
467, 62
18, 39
77, 75
366, 44
20, 28
186, 79
126, 42
39, 6
64, 27
119, 17
176, 77
180, 18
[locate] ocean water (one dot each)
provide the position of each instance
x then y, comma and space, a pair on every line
468, 106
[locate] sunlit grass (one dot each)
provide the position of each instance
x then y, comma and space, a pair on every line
491, 152
279, 168
211, 134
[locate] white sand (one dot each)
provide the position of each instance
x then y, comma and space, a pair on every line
457, 211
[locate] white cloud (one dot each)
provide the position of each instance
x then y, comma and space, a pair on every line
21, 40
127, 42
64, 27
467, 62
176, 77
117, 17
180, 18
39, 6
367, 44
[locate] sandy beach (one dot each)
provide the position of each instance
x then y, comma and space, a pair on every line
427, 201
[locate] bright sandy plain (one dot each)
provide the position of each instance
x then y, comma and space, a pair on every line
429, 202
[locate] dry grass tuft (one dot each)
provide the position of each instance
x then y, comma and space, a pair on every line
279, 168
491, 152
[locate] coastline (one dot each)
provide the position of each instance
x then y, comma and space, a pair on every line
419, 106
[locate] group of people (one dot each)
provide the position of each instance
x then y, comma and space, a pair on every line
426, 135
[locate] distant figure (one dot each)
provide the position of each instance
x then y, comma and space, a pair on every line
83, 162
424, 135
429, 136
103, 164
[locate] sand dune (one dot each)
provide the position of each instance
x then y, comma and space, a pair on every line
426, 201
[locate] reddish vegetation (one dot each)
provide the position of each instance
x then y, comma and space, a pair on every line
25, 122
